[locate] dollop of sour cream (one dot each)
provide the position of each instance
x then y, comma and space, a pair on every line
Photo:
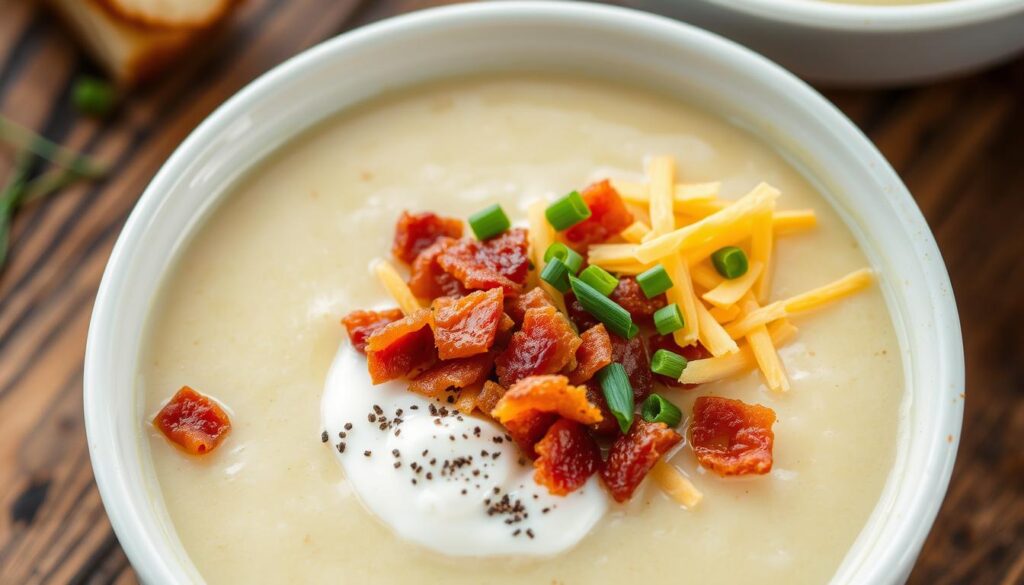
452, 483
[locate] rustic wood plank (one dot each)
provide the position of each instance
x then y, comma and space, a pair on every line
959, 145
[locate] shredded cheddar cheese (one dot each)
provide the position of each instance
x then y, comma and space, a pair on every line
718, 368
676, 485
725, 314
683, 193
765, 355
729, 292
662, 172
711, 333
761, 244
396, 286
681, 294
635, 233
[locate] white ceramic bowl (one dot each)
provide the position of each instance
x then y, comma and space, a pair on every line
629, 46
863, 45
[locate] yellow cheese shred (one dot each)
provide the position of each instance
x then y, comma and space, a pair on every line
711, 333
614, 253
541, 236
676, 485
725, 314
730, 291
681, 294
722, 228
761, 243
793, 221
636, 231
660, 189
683, 193
718, 368
765, 355
705, 276
396, 286
812, 299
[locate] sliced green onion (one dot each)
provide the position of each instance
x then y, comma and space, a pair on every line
567, 211
93, 96
730, 262
668, 319
573, 261
668, 363
599, 278
605, 310
617, 393
654, 281
656, 409
633, 331
556, 274
489, 222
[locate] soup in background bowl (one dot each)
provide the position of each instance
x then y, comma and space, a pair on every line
253, 240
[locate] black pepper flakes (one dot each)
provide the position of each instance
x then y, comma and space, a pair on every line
324, 437
377, 409
371, 417
367, 453
348, 426
341, 447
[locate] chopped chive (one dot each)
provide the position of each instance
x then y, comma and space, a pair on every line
489, 222
618, 393
567, 211
633, 331
668, 319
654, 281
573, 261
556, 274
730, 262
22, 138
599, 278
605, 310
93, 96
656, 409
668, 363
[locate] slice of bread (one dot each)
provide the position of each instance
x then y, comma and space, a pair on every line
169, 13
130, 52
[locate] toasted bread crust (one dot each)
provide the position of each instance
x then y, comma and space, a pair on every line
169, 14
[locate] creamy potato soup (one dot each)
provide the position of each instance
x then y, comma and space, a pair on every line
250, 317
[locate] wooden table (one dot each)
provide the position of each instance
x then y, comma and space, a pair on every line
958, 145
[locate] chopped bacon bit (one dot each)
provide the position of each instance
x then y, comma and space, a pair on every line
401, 348
428, 280
594, 353
631, 297
535, 299
362, 324
607, 426
466, 402
577, 314
632, 456
467, 326
608, 216
634, 359
457, 373
528, 429
545, 345
193, 421
505, 329
731, 437
501, 261
690, 352
566, 457
417, 232
489, 396
546, 394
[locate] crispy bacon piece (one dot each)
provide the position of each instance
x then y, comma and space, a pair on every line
690, 352
467, 326
428, 280
401, 348
631, 297
566, 457
528, 429
594, 353
498, 262
362, 324
193, 422
577, 314
452, 374
608, 216
489, 396
634, 359
607, 426
633, 455
416, 232
516, 307
545, 345
731, 437
546, 394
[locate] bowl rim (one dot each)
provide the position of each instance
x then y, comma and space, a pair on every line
135, 527
868, 18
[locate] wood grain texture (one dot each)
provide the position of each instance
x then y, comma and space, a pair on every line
959, 145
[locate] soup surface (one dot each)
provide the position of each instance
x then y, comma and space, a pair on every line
250, 315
